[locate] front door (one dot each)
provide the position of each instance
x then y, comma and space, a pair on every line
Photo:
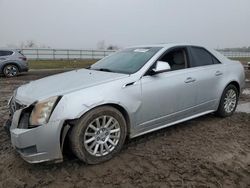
168, 96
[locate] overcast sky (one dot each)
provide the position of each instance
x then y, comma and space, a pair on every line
83, 23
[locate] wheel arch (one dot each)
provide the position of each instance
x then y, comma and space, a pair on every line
237, 86
71, 122
118, 107
232, 82
235, 83
10, 63
123, 112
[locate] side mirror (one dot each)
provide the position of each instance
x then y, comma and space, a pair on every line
161, 66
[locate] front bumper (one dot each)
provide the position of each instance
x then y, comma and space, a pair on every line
38, 144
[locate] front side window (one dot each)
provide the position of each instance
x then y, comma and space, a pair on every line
201, 57
177, 59
127, 61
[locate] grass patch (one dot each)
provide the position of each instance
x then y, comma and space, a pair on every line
60, 64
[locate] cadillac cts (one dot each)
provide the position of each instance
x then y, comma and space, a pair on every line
129, 93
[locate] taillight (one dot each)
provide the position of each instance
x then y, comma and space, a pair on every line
23, 58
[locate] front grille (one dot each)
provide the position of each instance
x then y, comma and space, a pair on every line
23, 122
14, 106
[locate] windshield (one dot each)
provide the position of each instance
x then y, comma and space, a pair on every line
127, 61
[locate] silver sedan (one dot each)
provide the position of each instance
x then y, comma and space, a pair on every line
129, 93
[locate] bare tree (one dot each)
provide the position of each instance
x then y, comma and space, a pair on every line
112, 47
101, 45
30, 44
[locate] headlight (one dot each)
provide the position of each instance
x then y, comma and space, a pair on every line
42, 110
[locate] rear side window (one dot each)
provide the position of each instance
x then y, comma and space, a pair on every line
202, 57
5, 53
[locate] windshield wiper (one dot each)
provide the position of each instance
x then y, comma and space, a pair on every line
103, 69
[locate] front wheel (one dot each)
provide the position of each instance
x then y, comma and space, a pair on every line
98, 135
228, 102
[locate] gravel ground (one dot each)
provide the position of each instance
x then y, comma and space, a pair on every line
204, 152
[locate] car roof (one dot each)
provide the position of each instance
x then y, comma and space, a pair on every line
221, 57
166, 45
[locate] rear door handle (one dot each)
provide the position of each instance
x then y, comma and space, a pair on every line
189, 80
218, 73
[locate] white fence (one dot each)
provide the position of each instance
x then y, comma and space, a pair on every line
235, 54
64, 54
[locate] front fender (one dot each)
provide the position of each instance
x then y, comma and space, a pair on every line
76, 104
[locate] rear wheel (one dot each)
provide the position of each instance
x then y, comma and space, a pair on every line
98, 135
228, 102
10, 70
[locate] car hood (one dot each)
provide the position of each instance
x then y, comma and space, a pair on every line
63, 83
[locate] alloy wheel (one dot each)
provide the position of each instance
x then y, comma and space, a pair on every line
102, 135
230, 100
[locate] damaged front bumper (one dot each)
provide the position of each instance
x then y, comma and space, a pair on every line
37, 144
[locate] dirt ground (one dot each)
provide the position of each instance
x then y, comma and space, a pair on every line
204, 152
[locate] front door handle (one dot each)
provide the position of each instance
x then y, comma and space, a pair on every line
189, 80
218, 73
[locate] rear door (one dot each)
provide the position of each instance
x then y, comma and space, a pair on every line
208, 72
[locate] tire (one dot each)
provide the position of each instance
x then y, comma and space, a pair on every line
10, 70
223, 109
84, 138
